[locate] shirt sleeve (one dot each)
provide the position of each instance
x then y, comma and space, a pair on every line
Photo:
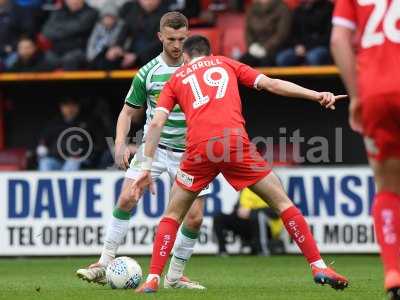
167, 99
137, 93
245, 74
345, 14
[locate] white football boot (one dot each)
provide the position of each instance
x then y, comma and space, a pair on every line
183, 283
94, 273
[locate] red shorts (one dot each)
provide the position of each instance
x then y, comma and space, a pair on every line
381, 126
234, 156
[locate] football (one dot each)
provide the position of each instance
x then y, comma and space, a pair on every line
124, 273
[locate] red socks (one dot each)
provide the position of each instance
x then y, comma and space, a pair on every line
163, 243
298, 229
386, 214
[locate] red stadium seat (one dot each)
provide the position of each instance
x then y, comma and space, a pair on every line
13, 159
214, 35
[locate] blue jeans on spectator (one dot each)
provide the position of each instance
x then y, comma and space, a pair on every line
314, 57
53, 164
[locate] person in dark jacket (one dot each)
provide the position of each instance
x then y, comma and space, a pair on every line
310, 35
71, 140
267, 28
8, 34
68, 30
139, 43
30, 58
104, 36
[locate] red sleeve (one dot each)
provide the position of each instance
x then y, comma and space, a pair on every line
246, 75
167, 99
345, 14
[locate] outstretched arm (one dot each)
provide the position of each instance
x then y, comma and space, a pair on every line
290, 89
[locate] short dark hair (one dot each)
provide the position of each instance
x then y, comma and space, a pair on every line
197, 45
174, 19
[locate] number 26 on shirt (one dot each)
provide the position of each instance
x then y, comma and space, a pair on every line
389, 15
221, 83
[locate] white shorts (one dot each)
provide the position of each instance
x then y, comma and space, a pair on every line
164, 161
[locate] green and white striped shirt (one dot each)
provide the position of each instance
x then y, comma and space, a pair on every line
146, 87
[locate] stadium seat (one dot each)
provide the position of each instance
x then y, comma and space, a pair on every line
214, 35
14, 159
233, 40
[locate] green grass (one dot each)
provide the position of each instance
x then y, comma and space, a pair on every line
274, 278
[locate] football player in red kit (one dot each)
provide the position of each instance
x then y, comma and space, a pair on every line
371, 73
206, 89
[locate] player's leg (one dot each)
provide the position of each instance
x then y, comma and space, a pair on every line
386, 214
118, 226
184, 246
187, 235
271, 191
381, 130
248, 169
115, 234
180, 203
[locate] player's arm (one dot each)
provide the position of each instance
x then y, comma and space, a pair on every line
344, 56
126, 117
132, 111
165, 104
292, 90
250, 77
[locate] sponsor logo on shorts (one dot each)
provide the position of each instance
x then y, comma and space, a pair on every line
184, 178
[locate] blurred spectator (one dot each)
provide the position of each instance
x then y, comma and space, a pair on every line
30, 58
267, 28
68, 138
68, 30
139, 43
104, 36
7, 33
310, 35
28, 13
99, 4
254, 222
190, 8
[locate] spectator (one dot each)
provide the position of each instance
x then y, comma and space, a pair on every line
310, 35
139, 43
68, 30
30, 58
250, 220
190, 8
267, 29
103, 37
29, 14
99, 4
7, 33
65, 154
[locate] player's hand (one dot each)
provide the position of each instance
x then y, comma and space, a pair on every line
328, 99
141, 183
355, 115
122, 155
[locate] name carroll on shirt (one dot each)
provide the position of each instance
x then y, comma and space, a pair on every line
198, 65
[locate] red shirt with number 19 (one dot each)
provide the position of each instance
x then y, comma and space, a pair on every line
207, 92
377, 26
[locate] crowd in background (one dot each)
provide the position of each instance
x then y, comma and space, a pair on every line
45, 35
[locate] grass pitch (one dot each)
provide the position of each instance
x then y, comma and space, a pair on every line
238, 277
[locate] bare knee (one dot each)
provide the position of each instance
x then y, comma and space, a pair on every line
126, 201
193, 221
271, 191
387, 175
